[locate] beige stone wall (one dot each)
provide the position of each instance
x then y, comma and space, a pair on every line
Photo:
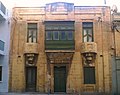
116, 19
102, 37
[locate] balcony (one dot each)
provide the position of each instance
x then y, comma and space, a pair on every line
89, 51
60, 45
59, 35
2, 11
31, 48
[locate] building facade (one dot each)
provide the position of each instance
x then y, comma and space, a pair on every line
61, 48
116, 58
4, 48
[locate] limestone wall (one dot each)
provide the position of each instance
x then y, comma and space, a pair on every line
100, 16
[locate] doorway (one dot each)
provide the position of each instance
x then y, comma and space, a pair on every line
31, 75
60, 79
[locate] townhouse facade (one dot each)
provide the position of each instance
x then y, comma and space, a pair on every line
61, 48
4, 47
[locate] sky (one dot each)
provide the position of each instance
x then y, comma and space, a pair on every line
38, 3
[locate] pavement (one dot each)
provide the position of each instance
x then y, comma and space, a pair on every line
33, 94
36, 93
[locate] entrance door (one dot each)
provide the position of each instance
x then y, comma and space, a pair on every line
60, 79
31, 73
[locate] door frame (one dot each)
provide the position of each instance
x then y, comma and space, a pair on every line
52, 75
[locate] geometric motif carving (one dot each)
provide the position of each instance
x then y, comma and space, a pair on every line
31, 48
89, 88
89, 47
59, 7
59, 57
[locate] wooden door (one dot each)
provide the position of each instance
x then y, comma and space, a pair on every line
31, 73
60, 79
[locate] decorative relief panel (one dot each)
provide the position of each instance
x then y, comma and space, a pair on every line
59, 7
31, 48
31, 59
87, 9
89, 51
59, 57
89, 47
89, 88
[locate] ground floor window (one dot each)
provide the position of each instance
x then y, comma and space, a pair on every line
89, 75
0, 73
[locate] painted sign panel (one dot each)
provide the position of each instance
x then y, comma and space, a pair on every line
59, 7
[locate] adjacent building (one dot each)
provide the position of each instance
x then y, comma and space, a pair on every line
116, 57
61, 48
4, 48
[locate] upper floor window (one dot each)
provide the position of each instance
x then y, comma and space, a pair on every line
63, 35
55, 35
70, 35
0, 73
48, 35
32, 33
87, 31
59, 35
2, 45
